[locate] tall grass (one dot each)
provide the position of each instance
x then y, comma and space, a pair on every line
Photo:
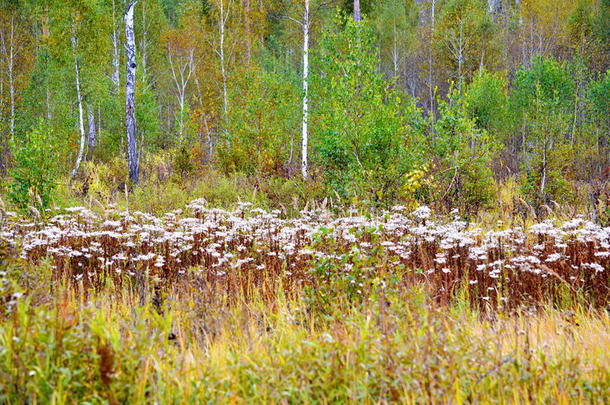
394, 347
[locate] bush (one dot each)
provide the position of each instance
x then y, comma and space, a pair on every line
362, 130
461, 152
263, 125
34, 176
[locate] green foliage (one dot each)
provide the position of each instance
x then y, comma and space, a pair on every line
396, 25
263, 126
546, 80
183, 163
36, 168
542, 101
361, 129
599, 94
486, 100
348, 277
461, 153
465, 38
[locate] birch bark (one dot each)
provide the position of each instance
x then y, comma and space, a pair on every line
92, 128
305, 135
224, 16
11, 77
357, 16
79, 99
130, 90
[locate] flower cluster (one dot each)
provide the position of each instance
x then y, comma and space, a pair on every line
246, 248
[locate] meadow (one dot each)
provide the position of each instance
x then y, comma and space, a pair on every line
201, 304
312, 201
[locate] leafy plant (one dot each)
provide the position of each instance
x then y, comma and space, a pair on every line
363, 133
34, 176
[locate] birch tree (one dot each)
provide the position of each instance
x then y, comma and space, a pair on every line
79, 99
224, 11
14, 43
305, 24
92, 128
11, 75
115, 51
182, 63
396, 22
16, 62
305, 135
357, 16
130, 90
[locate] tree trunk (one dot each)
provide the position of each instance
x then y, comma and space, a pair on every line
222, 21
395, 55
492, 6
79, 99
11, 74
430, 59
460, 56
305, 89
181, 74
92, 128
223, 69
3, 137
130, 91
357, 16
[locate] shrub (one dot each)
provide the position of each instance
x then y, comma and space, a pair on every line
461, 152
362, 130
34, 176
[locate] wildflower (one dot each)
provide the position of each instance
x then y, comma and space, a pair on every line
422, 212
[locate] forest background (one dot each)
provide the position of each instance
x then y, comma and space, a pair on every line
467, 104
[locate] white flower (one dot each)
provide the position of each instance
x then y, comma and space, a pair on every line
422, 212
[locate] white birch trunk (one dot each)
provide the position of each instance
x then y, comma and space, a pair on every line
92, 128
305, 90
130, 91
81, 124
3, 140
181, 75
431, 57
395, 55
223, 69
11, 80
357, 16
492, 6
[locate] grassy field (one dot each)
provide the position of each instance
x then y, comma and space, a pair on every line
245, 306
